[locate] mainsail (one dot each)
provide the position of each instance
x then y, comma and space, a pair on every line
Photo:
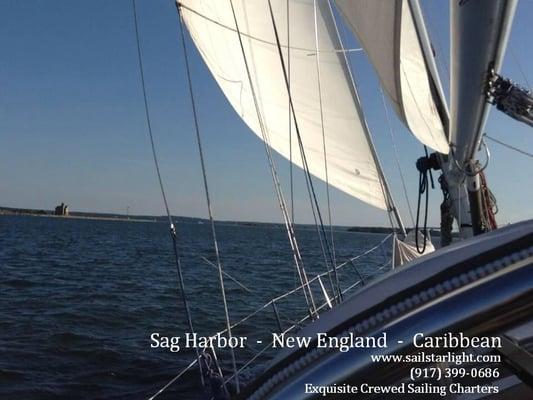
387, 31
352, 167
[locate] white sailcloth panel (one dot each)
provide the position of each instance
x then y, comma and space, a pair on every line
405, 251
351, 166
386, 30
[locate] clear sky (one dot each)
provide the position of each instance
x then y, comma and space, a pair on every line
72, 124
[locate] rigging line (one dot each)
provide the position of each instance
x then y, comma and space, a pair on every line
385, 191
231, 278
354, 50
291, 157
207, 197
317, 59
173, 234
519, 65
509, 146
247, 35
266, 139
291, 173
292, 291
188, 367
438, 56
308, 294
312, 192
319, 235
386, 196
422, 187
396, 156
430, 131
289, 108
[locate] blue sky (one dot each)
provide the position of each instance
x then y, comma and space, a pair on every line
72, 126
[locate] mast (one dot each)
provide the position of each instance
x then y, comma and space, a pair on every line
479, 35
454, 177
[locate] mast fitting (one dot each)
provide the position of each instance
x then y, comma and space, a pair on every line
511, 98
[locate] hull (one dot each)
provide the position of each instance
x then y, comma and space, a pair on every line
481, 287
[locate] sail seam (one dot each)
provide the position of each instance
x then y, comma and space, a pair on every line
252, 37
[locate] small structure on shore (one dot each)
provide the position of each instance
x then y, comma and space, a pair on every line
61, 209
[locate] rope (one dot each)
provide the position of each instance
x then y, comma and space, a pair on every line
291, 167
422, 188
442, 62
214, 374
294, 324
519, 65
489, 204
307, 51
317, 58
292, 291
354, 50
468, 169
319, 235
396, 157
227, 275
208, 199
446, 215
290, 111
281, 201
188, 367
173, 234
414, 97
509, 146
309, 181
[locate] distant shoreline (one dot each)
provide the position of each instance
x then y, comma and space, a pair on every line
145, 218
75, 215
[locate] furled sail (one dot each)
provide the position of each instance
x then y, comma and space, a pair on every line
351, 165
406, 250
387, 32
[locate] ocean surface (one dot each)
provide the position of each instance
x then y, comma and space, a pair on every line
79, 300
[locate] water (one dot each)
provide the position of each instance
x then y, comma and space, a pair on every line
80, 298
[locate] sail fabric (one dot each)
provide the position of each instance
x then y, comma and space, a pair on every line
351, 165
387, 32
405, 250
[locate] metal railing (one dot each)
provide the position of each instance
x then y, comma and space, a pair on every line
272, 303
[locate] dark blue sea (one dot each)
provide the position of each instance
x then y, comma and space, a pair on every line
80, 298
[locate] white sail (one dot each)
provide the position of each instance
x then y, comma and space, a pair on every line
351, 166
386, 30
406, 250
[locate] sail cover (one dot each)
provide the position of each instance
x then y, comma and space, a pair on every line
351, 165
387, 32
